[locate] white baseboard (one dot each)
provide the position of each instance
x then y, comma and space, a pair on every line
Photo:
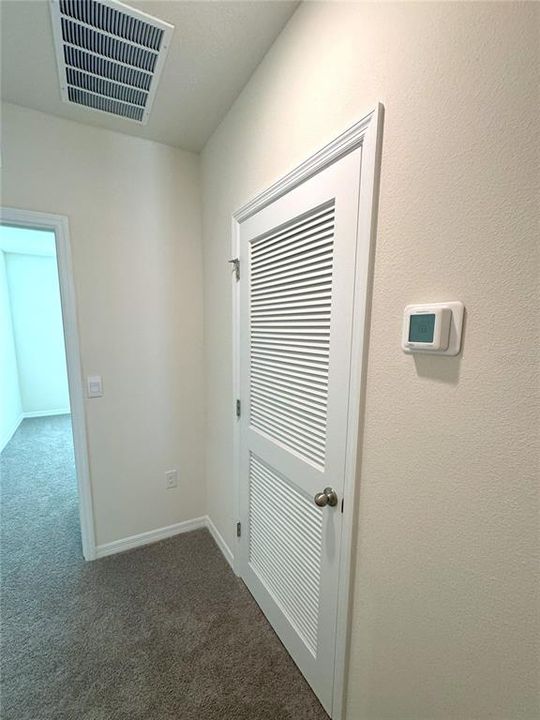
152, 536
38, 413
45, 413
11, 432
146, 538
220, 542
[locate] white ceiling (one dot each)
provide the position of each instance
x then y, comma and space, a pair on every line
215, 48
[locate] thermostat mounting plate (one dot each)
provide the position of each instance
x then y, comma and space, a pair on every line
434, 329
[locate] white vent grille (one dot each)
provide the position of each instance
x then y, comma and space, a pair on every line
110, 56
291, 302
285, 547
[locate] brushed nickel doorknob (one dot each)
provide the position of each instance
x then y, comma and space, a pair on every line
327, 497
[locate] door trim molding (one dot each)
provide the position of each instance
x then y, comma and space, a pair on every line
366, 133
60, 226
352, 138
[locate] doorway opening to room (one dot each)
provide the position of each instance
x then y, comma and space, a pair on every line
43, 457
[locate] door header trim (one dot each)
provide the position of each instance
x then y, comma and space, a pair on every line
343, 144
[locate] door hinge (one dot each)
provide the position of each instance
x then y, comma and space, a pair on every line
235, 262
238, 408
238, 529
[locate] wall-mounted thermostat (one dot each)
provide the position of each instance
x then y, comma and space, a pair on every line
434, 329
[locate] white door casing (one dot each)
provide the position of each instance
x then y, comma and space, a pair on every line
300, 420
60, 226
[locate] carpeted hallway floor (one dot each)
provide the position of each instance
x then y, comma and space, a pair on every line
160, 633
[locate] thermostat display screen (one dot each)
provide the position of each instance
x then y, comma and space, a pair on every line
422, 328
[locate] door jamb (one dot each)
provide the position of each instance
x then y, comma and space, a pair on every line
60, 226
367, 133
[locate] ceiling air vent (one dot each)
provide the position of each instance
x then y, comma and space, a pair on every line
110, 56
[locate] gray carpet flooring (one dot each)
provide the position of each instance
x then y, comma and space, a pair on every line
160, 633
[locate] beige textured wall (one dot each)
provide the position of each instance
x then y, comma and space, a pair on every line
444, 605
134, 215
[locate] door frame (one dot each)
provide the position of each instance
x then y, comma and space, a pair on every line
59, 225
366, 133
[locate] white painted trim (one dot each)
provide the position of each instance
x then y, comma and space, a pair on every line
59, 225
45, 413
149, 537
220, 542
33, 414
365, 257
38, 413
345, 143
10, 433
368, 134
152, 536
235, 253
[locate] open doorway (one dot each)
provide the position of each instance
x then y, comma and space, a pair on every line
43, 455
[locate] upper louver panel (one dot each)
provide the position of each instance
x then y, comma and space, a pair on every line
110, 56
290, 315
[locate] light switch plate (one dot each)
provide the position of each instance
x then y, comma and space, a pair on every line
94, 385
171, 479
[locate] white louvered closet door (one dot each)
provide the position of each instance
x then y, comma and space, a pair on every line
296, 302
